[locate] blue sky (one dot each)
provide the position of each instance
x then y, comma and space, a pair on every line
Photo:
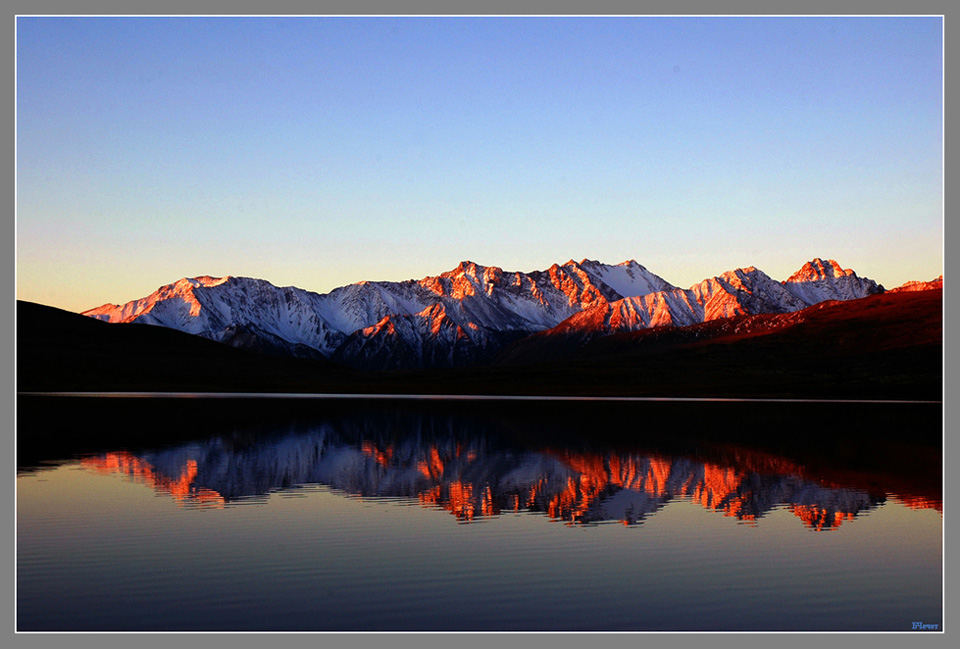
321, 151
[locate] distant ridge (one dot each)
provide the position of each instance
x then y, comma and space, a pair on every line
468, 314
920, 286
881, 347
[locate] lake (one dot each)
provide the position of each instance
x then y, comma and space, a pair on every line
186, 514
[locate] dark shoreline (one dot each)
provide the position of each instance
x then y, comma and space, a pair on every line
363, 396
131, 420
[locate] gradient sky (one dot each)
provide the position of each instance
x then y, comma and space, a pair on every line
317, 152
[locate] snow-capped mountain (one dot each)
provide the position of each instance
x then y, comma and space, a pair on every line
456, 317
467, 314
226, 308
919, 286
821, 280
745, 291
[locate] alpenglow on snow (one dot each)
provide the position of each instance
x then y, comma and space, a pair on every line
467, 314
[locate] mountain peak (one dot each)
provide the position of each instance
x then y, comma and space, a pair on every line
203, 280
818, 269
465, 267
920, 286
587, 262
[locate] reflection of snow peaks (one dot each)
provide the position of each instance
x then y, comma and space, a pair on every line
818, 517
181, 487
920, 502
470, 480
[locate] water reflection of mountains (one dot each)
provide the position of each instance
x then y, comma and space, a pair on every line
473, 476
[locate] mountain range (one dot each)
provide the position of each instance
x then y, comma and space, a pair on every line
472, 313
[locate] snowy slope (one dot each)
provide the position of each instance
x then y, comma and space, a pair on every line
819, 281
447, 319
217, 308
745, 291
629, 278
933, 284
481, 308
466, 314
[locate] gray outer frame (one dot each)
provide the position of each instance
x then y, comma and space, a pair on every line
359, 7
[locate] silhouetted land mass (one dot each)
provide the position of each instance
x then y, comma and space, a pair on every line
885, 346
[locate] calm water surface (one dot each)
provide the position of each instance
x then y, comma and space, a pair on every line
384, 518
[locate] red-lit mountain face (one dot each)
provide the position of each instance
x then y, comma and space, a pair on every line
470, 313
891, 320
898, 319
457, 317
920, 286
